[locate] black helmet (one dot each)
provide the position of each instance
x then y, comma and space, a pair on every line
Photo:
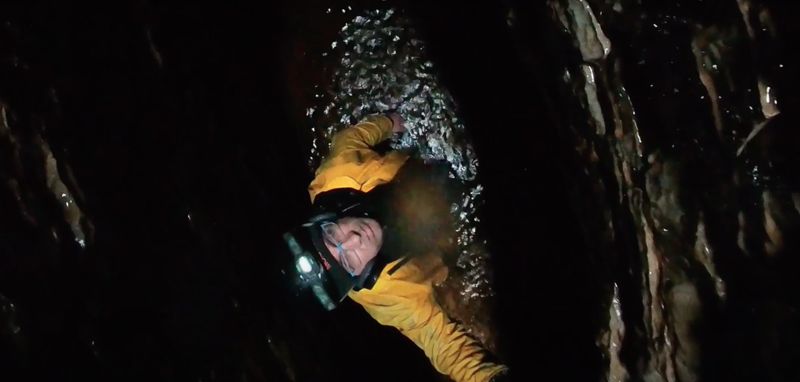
313, 266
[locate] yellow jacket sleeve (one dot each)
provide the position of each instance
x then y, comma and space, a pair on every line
352, 163
405, 301
371, 131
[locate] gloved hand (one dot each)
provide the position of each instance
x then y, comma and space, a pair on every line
398, 123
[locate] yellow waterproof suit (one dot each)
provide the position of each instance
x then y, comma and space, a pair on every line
404, 299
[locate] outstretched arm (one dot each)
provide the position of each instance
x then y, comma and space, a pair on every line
449, 348
405, 301
371, 131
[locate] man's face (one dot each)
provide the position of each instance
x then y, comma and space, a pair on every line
353, 242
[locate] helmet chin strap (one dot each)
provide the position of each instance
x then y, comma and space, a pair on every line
363, 278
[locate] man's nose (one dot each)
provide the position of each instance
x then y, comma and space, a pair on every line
352, 241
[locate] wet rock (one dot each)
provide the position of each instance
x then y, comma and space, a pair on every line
689, 88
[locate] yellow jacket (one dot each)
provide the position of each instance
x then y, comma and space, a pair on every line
404, 299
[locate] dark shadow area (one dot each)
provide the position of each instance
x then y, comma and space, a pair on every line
176, 124
181, 132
